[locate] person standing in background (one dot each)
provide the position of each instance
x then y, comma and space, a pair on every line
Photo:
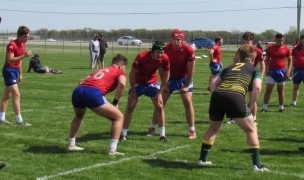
276, 70
12, 74
94, 48
103, 49
215, 54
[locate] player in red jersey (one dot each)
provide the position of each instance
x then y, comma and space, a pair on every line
215, 54
298, 72
248, 38
276, 71
12, 74
144, 81
91, 94
182, 65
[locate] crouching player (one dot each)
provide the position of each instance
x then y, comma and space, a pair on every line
228, 97
91, 94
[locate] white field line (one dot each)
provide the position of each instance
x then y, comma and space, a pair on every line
30, 110
109, 163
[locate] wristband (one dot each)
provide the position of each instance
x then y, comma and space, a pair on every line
115, 102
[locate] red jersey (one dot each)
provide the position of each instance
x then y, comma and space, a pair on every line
146, 67
277, 55
217, 54
259, 56
16, 48
179, 59
298, 55
104, 79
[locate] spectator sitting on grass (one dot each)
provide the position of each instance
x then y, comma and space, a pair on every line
36, 65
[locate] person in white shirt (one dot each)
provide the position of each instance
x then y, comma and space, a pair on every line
94, 48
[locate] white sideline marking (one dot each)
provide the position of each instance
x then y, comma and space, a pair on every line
109, 163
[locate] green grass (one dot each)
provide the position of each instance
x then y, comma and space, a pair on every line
39, 150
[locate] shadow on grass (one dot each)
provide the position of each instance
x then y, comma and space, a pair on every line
46, 150
162, 163
287, 140
273, 152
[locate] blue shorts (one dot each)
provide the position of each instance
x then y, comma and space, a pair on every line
215, 68
10, 75
146, 89
90, 97
278, 75
298, 76
177, 84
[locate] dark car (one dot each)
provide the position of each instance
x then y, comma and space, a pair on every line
203, 42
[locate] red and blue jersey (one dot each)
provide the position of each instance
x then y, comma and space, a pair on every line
17, 48
146, 67
278, 55
105, 79
298, 56
179, 59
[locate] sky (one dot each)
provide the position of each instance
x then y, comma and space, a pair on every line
207, 15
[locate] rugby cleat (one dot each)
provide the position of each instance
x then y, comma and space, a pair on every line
75, 148
204, 163
263, 110
163, 138
191, 134
260, 169
23, 123
116, 153
281, 110
231, 121
151, 132
5, 121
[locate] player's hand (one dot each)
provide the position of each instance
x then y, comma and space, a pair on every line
20, 79
27, 53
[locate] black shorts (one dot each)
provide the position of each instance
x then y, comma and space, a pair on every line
232, 104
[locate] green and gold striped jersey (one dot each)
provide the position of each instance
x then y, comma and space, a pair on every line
238, 77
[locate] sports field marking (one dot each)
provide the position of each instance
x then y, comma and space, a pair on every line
109, 163
301, 176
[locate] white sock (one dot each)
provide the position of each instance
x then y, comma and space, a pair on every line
124, 132
72, 141
2, 116
265, 106
254, 118
113, 145
281, 106
162, 131
19, 118
294, 102
192, 128
153, 125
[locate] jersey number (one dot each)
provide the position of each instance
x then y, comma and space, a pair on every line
100, 74
238, 66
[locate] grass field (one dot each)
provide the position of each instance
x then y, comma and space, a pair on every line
39, 151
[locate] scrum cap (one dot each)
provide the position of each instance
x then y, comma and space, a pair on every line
178, 33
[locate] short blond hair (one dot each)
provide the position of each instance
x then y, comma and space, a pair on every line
247, 53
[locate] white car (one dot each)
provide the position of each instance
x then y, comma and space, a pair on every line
129, 40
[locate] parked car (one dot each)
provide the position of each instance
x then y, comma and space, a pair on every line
203, 42
129, 40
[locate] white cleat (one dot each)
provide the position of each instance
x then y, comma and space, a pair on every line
261, 169
204, 163
5, 121
116, 153
23, 123
75, 148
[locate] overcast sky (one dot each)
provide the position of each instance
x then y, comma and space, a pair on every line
215, 15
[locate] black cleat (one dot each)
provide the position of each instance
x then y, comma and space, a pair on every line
281, 110
263, 110
2, 165
163, 138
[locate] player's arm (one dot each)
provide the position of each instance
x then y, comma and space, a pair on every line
190, 73
211, 54
10, 58
256, 89
262, 68
215, 82
290, 65
164, 77
122, 80
132, 79
267, 61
